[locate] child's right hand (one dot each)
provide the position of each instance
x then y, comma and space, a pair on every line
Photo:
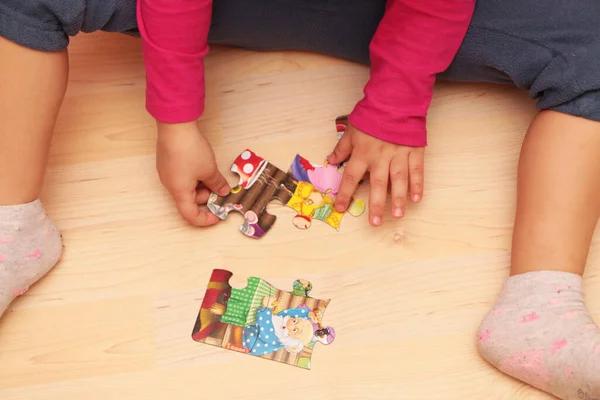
186, 166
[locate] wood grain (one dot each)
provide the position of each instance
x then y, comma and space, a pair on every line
114, 319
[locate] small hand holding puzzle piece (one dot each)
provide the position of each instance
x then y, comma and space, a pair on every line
307, 188
262, 321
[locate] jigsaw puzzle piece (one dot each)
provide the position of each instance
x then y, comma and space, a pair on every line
213, 305
260, 183
314, 197
301, 287
248, 166
289, 330
311, 204
244, 303
300, 320
323, 334
307, 188
285, 325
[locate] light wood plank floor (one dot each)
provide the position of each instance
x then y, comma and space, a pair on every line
113, 320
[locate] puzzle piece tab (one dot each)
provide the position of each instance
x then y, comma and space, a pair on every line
307, 188
260, 183
264, 321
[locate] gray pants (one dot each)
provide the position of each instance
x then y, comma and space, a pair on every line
549, 47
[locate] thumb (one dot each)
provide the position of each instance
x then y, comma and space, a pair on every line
192, 213
217, 183
342, 150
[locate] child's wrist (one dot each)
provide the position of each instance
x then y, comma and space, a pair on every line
168, 131
165, 127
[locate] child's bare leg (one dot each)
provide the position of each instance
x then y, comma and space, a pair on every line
559, 194
540, 330
32, 86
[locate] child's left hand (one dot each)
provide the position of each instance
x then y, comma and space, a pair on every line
402, 165
187, 168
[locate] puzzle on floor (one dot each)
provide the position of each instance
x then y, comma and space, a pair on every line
307, 188
261, 320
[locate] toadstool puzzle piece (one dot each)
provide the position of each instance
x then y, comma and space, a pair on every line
263, 321
307, 188
260, 183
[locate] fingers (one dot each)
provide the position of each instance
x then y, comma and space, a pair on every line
342, 150
353, 173
379, 185
399, 178
416, 174
217, 183
202, 194
191, 212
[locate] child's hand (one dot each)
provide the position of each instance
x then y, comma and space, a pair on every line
386, 162
187, 168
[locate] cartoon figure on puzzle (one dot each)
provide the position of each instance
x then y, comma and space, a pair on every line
315, 194
263, 321
307, 188
291, 329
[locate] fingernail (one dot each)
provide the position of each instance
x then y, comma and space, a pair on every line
416, 198
340, 207
376, 220
398, 212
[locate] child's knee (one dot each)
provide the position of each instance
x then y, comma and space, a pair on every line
46, 25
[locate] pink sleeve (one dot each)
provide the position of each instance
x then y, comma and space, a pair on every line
416, 40
174, 42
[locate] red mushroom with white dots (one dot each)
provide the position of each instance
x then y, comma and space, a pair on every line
248, 166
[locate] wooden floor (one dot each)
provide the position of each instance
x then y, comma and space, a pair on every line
114, 319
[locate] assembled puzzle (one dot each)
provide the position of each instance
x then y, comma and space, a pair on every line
262, 321
308, 188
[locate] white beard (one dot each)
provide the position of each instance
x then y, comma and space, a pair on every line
291, 344
278, 324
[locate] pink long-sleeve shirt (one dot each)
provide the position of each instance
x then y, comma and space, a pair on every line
416, 40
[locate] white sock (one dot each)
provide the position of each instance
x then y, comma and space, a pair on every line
30, 245
540, 332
